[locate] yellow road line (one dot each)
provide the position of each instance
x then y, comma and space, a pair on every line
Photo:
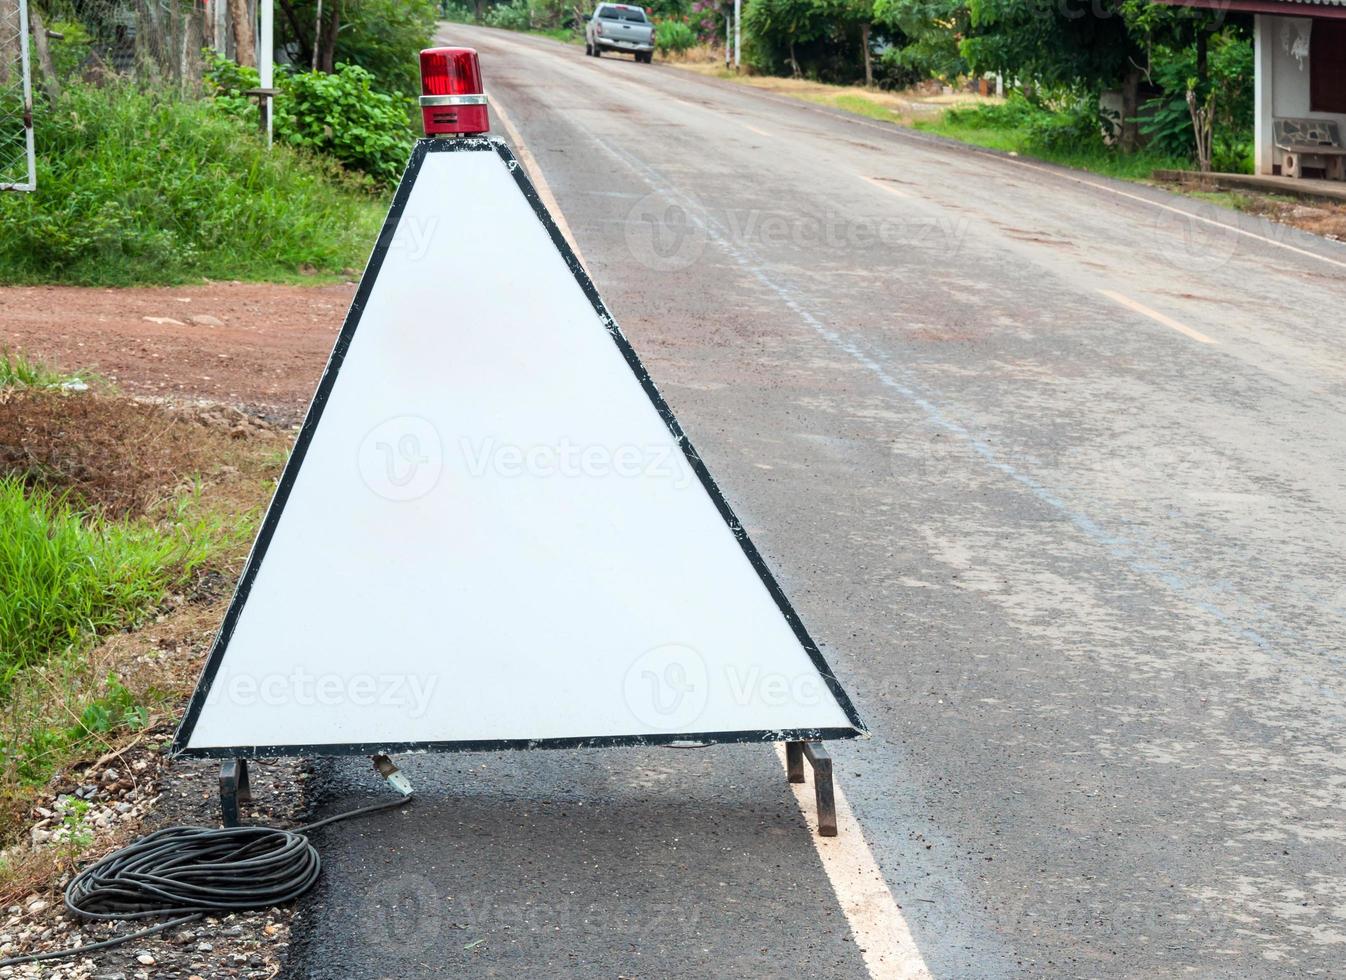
1156, 316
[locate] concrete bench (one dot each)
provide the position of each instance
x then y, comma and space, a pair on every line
1310, 142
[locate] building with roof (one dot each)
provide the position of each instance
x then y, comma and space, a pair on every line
1300, 72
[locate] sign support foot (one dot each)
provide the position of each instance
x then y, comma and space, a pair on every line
795, 754
234, 789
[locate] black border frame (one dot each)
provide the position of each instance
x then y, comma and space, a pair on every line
258, 553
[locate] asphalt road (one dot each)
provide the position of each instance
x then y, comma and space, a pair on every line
1055, 473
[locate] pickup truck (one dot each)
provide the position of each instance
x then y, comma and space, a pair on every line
620, 27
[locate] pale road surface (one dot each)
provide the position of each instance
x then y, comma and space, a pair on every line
1057, 477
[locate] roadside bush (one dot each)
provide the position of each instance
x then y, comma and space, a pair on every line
340, 115
1015, 112
514, 16
1076, 127
673, 36
140, 186
459, 13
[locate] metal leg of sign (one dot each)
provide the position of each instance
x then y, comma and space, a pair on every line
794, 761
795, 754
234, 789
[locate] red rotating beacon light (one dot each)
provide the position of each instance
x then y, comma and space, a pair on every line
452, 103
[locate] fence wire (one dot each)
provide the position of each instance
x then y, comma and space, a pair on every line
16, 99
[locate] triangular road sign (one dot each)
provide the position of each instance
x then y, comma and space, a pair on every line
492, 532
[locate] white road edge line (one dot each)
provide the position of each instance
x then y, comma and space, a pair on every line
1156, 316
877, 925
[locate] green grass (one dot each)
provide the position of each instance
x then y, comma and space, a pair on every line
861, 106
16, 371
67, 577
558, 34
1019, 139
142, 187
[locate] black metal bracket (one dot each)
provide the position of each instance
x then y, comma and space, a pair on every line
795, 754
234, 789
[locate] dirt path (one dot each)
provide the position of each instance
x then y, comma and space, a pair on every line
257, 346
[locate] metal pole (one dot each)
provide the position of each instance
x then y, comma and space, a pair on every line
265, 50
26, 69
728, 36
738, 31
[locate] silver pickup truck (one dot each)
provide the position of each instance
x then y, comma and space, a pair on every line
620, 27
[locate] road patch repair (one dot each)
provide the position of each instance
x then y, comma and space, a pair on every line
491, 534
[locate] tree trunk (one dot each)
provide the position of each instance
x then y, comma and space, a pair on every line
794, 65
51, 85
1130, 126
327, 40
869, 62
317, 32
245, 41
1203, 126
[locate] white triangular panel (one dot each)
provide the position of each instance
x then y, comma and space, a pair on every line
489, 533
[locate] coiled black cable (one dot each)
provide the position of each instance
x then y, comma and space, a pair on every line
187, 872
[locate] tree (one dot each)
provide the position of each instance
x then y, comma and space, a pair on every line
1072, 43
381, 36
1203, 64
925, 35
859, 15
776, 27
245, 41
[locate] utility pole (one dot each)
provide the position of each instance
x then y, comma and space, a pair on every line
265, 70
738, 32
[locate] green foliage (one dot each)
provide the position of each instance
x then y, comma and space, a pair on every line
384, 37
924, 38
66, 577
458, 13
69, 54
1052, 44
776, 29
339, 115
381, 36
673, 36
139, 186
16, 371
1016, 112
1068, 132
670, 9
30, 757
515, 16
1166, 120
1074, 126
1078, 126
342, 116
